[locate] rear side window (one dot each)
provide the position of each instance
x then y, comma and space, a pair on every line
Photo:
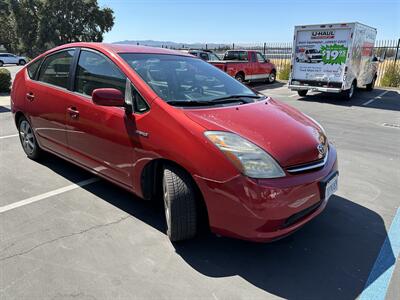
204, 56
55, 68
95, 71
33, 67
236, 55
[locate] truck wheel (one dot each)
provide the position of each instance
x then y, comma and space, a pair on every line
28, 139
302, 93
348, 94
371, 86
179, 204
272, 77
239, 77
21, 62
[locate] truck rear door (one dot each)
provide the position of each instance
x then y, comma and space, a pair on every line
327, 50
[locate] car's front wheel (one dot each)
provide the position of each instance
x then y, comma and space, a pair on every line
28, 139
302, 93
1, 63
179, 204
272, 77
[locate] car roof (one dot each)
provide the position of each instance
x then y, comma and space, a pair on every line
120, 48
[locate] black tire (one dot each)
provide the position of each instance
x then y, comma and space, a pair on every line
349, 94
21, 62
28, 139
1, 63
239, 77
302, 93
371, 86
179, 204
272, 77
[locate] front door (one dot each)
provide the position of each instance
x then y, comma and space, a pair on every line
100, 137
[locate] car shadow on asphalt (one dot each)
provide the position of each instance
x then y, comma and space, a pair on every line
389, 101
329, 258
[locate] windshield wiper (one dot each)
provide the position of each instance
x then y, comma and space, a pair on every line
208, 102
237, 97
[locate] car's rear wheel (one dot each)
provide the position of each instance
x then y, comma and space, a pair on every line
348, 94
1, 63
28, 139
272, 77
179, 204
302, 93
22, 62
371, 86
239, 77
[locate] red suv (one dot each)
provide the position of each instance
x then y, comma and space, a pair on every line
166, 125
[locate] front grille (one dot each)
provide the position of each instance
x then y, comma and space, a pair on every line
300, 215
311, 166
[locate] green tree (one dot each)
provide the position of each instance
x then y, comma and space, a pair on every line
8, 36
66, 21
33, 26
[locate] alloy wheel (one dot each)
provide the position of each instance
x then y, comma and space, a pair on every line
27, 138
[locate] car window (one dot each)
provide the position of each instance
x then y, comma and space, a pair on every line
214, 57
236, 55
55, 68
204, 56
174, 77
95, 71
253, 57
260, 58
33, 67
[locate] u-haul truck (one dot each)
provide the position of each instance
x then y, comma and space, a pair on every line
333, 58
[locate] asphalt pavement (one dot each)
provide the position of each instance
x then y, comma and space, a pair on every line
63, 237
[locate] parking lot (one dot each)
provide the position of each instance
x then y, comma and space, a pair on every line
66, 234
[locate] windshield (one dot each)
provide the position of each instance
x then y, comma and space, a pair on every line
181, 78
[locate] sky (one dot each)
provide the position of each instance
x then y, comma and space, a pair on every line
252, 21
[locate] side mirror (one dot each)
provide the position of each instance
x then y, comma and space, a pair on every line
108, 97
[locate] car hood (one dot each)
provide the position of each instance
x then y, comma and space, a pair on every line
284, 132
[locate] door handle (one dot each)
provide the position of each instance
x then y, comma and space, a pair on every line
30, 96
73, 112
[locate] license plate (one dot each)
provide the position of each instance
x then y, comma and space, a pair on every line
331, 187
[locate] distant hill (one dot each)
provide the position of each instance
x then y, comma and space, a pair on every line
173, 45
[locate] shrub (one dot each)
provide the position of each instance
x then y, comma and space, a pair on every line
5, 80
391, 77
284, 72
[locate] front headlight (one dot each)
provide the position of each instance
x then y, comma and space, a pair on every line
250, 159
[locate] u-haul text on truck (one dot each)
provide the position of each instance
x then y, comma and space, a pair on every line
333, 58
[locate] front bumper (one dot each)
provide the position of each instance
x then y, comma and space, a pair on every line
265, 209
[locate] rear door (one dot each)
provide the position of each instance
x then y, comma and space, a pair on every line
46, 98
100, 138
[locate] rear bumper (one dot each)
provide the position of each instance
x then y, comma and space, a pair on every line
264, 210
314, 88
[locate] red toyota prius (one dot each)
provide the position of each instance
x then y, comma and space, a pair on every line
166, 125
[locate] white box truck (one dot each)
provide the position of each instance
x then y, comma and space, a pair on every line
333, 58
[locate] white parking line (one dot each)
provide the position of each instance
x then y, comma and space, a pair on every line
47, 195
375, 98
8, 136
